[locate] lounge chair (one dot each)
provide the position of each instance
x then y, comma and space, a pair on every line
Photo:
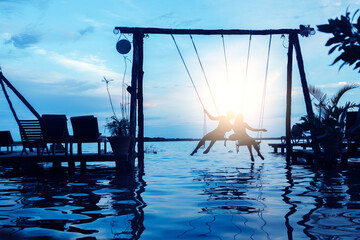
55, 131
31, 136
6, 140
297, 135
85, 130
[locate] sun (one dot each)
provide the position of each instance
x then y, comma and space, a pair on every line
235, 96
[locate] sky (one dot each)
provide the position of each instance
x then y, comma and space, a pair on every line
56, 54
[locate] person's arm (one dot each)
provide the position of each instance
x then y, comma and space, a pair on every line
211, 117
254, 129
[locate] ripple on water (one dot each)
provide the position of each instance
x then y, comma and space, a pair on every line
222, 195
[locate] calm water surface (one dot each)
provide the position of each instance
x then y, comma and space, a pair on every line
222, 195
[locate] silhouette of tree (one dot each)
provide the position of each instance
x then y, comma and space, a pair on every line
346, 39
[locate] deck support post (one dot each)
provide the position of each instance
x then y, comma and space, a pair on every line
288, 98
136, 101
56, 164
18, 94
140, 103
133, 95
71, 165
305, 89
83, 165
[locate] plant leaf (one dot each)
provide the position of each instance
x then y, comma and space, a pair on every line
333, 49
326, 28
336, 98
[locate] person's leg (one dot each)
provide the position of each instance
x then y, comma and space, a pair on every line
210, 145
250, 151
202, 142
256, 146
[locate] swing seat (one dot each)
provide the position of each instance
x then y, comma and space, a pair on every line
240, 140
244, 143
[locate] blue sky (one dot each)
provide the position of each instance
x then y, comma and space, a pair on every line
57, 52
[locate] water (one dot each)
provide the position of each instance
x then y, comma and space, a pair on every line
222, 195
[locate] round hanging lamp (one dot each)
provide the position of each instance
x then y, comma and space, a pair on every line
123, 46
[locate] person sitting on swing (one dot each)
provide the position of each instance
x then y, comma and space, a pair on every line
243, 138
218, 133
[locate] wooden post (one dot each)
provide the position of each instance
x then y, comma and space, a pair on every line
9, 101
137, 40
140, 103
288, 98
18, 94
305, 89
206, 32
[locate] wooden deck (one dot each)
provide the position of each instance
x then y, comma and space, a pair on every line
282, 146
309, 156
17, 161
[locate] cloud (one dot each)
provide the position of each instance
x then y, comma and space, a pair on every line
23, 40
87, 30
10, 1
170, 19
91, 65
334, 85
150, 105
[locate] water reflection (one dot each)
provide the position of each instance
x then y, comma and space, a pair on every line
313, 203
333, 214
55, 205
236, 192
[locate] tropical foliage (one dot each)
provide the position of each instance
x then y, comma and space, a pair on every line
330, 118
346, 39
117, 126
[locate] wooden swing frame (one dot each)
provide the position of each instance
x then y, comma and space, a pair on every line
136, 101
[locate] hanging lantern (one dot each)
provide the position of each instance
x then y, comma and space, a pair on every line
123, 46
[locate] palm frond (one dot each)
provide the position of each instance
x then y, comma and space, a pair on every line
337, 96
317, 94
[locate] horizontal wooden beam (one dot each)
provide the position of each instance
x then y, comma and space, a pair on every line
205, 32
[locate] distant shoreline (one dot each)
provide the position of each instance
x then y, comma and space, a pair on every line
161, 139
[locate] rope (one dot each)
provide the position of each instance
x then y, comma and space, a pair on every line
226, 64
203, 71
125, 98
187, 70
246, 74
262, 110
204, 129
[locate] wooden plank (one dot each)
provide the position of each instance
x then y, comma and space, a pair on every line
137, 38
288, 98
140, 104
306, 94
8, 99
133, 30
15, 157
21, 97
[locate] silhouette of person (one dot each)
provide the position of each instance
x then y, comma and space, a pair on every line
243, 138
218, 133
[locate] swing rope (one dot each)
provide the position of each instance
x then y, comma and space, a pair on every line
188, 72
246, 75
226, 64
203, 71
262, 110
192, 81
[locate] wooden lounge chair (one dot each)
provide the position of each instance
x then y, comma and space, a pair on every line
55, 131
85, 130
31, 136
6, 140
297, 135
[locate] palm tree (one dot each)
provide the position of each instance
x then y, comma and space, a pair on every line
329, 124
329, 110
